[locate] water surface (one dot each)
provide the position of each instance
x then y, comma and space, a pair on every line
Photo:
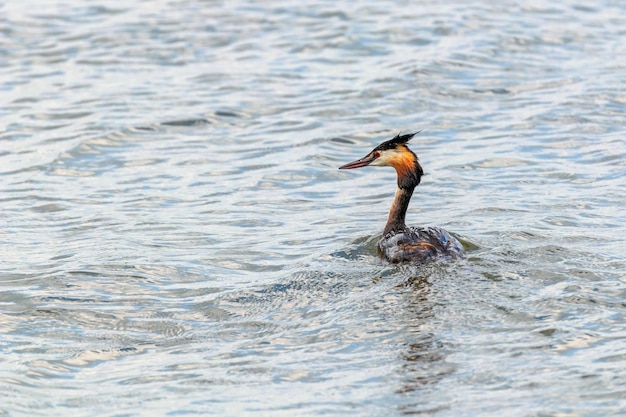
177, 240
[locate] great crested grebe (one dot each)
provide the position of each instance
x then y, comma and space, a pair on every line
399, 242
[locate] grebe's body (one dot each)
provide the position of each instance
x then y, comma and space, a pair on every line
399, 242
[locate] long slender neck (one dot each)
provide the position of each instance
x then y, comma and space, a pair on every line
397, 212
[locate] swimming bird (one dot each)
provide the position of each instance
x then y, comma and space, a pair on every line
400, 243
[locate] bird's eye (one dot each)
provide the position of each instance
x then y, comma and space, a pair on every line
377, 155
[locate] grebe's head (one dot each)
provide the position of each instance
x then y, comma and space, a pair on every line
394, 153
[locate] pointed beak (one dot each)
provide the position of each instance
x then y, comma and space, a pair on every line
359, 163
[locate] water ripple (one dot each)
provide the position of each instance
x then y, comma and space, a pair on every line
176, 232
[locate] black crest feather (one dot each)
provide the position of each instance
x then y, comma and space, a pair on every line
397, 140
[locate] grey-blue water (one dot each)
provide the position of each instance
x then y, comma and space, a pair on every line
176, 238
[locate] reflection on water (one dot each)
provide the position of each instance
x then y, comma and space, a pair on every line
425, 359
177, 239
